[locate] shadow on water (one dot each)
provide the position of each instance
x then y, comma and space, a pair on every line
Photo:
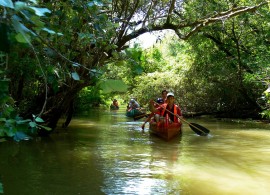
104, 152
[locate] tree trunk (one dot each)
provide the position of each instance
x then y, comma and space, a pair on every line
69, 114
58, 105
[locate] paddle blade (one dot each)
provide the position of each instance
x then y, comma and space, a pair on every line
198, 129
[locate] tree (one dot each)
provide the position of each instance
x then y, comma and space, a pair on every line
231, 56
94, 34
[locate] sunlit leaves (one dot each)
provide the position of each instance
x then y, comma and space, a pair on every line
19, 5
22, 30
51, 31
23, 14
111, 85
233, 50
7, 3
23, 38
37, 21
40, 11
95, 33
95, 3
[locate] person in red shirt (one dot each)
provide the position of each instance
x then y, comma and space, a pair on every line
159, 102
164, 95
115, 104
169, 108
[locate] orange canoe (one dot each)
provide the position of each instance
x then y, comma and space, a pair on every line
165, 131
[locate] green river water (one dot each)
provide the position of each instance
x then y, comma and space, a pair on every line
107, 153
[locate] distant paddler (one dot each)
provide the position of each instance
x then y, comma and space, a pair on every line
114, 105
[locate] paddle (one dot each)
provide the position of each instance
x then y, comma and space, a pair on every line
198, 129
138, 117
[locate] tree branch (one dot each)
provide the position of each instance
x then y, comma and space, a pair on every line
195, 26
220, 16
170, 11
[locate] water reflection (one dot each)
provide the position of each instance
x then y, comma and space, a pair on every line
141, 167
107, 153
233, 161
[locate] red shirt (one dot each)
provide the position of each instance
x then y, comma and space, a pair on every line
175, 110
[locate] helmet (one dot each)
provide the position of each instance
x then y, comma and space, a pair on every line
160, 100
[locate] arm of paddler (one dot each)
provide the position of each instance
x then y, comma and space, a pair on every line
152, 107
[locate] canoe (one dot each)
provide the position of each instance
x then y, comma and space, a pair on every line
134, 112
165, 131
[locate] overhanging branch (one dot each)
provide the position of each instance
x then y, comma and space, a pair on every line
219, 17
195, 26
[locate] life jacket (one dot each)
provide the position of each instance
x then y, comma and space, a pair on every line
164, 106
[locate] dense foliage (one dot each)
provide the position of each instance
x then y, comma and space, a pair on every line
51, 50
232, 57
228, 71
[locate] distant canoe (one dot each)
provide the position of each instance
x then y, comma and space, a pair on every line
134, 112
164, 131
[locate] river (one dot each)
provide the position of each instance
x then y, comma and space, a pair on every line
107, 153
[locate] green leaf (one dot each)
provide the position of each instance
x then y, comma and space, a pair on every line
48, 30
37, 21
22, 30
44, 127
115, 54
23, 121
75, 76
51, 31
95, 2
40, 11
3, 119
10, 121
10, 133
111, 85
39, 120
32, 124
20, 5
19, 27
23, 39
7, 3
